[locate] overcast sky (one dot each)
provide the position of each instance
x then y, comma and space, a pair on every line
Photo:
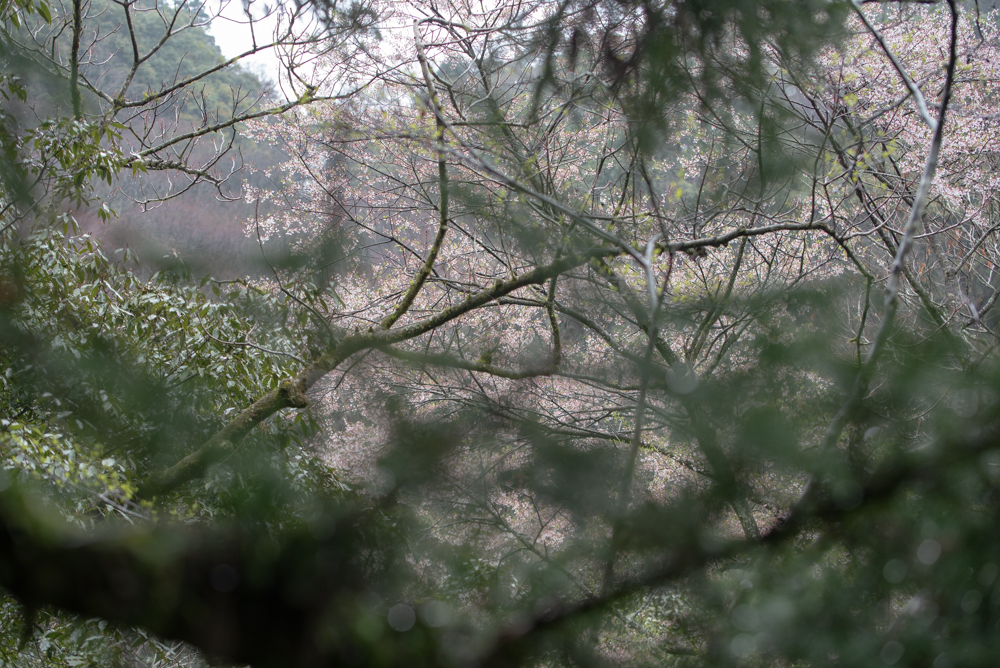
232, 34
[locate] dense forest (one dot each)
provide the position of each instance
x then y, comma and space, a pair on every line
555, 333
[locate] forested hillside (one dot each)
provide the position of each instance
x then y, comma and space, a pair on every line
192, 218
106, 60
203, 217
585, 334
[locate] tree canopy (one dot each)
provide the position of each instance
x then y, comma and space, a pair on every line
639, 333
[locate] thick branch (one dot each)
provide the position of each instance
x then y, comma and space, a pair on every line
425, 270
236, 594
452, 362
74, 61
291, 393
927, 465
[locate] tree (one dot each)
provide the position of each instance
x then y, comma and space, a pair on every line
589, 318
148, 92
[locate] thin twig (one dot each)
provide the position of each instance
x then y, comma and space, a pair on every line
918, 97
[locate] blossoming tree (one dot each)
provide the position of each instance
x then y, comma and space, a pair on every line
590, 317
